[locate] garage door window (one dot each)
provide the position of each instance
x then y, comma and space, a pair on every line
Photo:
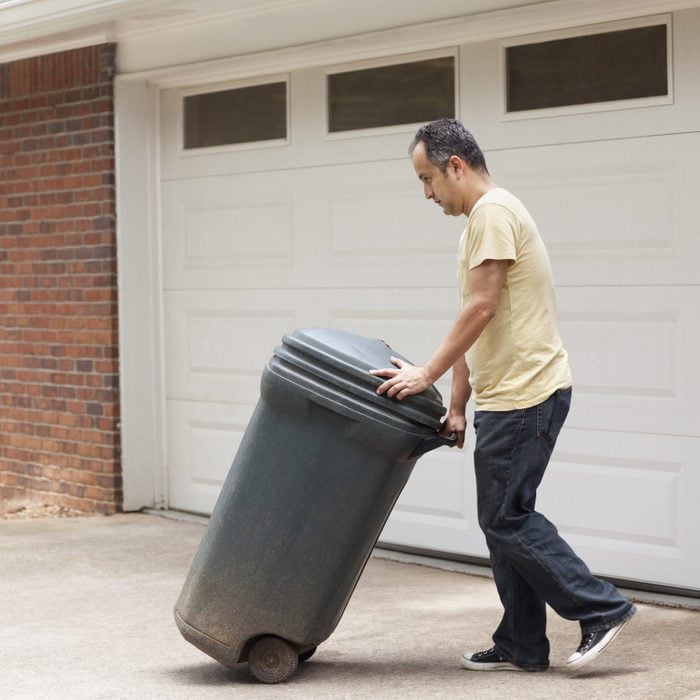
604, 67
241, 115
407, 93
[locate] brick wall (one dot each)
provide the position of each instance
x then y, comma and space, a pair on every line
59, 421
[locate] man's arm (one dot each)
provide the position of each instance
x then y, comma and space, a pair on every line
456, 418
485, 284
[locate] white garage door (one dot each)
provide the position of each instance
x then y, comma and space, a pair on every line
331, 230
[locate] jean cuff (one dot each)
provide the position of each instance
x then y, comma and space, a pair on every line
528, 667
609, 625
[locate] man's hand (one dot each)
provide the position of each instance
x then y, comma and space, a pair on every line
455, 424
404, 381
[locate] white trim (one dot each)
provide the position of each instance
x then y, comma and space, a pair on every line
232, 147
234, 84
589, 29
216, 18
447, 52
407, 128
589, 107
31, 49
486, 26
142, 393
158, 302
30, 20
396, 60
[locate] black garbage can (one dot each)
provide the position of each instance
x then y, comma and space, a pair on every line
320, 466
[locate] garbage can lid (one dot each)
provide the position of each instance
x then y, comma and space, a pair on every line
344, 359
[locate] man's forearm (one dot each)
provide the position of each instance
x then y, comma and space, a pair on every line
485, 284
461, 390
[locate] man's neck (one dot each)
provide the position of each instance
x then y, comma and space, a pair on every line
479, 187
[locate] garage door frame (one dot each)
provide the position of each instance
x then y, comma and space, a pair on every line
139, 235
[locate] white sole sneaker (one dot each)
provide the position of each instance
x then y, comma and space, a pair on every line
588, 652
467, 663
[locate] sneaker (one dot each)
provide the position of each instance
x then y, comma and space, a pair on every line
591, 645
489, 660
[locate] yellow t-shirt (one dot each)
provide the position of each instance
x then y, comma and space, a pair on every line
519, 359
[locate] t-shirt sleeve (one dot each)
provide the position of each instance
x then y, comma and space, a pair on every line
490, 235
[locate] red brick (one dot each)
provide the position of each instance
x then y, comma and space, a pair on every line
58, 297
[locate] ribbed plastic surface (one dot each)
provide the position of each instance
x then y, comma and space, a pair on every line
344, 359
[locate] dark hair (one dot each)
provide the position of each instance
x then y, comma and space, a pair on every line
444, 138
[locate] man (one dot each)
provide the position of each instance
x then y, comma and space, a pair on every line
518, 369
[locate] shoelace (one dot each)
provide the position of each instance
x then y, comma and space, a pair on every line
585, 641
487, 652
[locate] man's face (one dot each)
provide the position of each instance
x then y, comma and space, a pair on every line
440, 187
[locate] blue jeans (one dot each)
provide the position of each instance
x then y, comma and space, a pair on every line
532, 565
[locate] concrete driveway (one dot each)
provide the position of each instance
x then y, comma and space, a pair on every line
86, 612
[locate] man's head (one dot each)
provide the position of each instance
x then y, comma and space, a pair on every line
448, 137
450, 165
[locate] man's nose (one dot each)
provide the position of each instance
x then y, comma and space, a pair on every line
428, 192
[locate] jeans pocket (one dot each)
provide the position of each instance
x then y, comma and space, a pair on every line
551, 415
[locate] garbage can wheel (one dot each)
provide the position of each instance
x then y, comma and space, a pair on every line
272, 660
307, 655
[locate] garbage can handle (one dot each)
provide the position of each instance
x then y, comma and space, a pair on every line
433, 443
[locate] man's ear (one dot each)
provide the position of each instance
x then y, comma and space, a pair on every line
456, 164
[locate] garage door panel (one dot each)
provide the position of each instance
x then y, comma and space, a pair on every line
307, 229
633, 353
613, 212
624, 502
437, 509
373, 228
177, 162
227, 233
309, 145
375, 223
622, 515
605, 338
482, 107
219, 342
203, 439
218, 345
239, 235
